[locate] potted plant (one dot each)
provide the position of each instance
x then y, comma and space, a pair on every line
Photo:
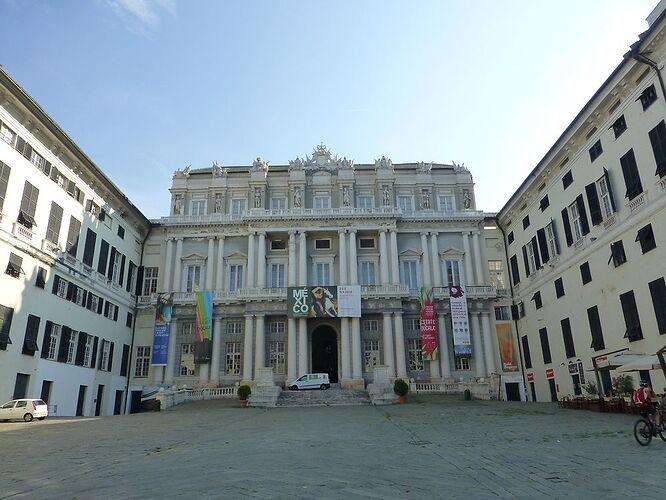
401, 388
243, 392
623, 384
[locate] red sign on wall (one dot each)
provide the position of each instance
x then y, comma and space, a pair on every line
530, 377
550, 373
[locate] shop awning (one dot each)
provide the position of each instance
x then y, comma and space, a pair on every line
649, 362
614, 361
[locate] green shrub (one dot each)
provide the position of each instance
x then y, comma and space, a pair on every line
623, 384
244, 392
400, 387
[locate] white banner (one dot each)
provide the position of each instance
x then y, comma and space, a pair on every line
349, 301
462, 345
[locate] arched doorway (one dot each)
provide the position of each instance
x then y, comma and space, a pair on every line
325, 352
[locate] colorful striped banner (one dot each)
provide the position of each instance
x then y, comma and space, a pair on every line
204, 325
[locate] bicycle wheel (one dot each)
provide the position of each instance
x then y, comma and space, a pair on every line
642, 432
661, 430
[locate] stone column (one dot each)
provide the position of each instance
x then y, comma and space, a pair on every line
251, 261
291, 272
488, 344
168, 266
261, 263
345, 352
389, 359
357, 368
303, 357
445, 358
400, 360
171, 353
210, 262
353, 261
291, 349
302, 260
177, 286
477, 348
247, 349
434, 255
480, 278
383, 258
217, 348
469, 275
342, 244
425, 261
260, 344
395, 264
219, 271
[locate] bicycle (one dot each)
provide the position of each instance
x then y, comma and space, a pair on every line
644, 428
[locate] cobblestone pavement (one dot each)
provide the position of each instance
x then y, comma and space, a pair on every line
433, 447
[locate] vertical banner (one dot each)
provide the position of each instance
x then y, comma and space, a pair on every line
507, 347
429, 338
349, 301
462, 345
162, 330
203, 327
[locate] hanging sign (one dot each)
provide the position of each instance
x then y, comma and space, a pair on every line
429, 338
161, 330
462, 345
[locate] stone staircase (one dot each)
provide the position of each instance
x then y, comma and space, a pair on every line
316, 397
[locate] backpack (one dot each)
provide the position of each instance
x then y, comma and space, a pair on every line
639, 397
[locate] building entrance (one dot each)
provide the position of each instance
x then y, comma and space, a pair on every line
325, 352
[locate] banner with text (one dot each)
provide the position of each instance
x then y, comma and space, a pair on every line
162, 330
507, 347
462, 345
429, 339
324, 301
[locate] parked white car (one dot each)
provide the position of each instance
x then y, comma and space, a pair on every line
24, 409
310, 381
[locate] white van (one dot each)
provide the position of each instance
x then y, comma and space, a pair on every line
310, 381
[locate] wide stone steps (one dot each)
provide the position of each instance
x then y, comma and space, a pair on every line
316, 397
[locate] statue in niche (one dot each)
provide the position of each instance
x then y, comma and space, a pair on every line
467, 199
297, 197
257, 198
218, 203
387, 196
425, 199
178, 204
346, 197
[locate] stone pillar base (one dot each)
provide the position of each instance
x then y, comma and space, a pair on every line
356, 384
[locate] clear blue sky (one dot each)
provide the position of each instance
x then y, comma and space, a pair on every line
146, 87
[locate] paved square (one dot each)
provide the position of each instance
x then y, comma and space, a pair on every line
433, 447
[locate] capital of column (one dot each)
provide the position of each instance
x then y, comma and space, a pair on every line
342, 231
352, 231
424, 233
221, 237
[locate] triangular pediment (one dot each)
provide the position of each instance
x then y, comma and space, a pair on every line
236, 255
194, 256
410, 252
452, 252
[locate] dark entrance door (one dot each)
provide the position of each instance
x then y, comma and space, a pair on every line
21, 385
46, 391
325, 352
81, 400
606, 383
135, 404
98, 404
553, 389
118, 405
575, 379
512, 391
533, 389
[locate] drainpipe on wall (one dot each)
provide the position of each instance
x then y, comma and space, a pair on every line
642, 58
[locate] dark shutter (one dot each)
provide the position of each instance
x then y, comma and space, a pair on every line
527, 264
526, 352
535, 248
130, 269
80, 349
20, 144
514, 312
568, 338
103, 255
85, 297
73, 234
584, 225
125, 361
100, 305
101, 341
40, 281
115, 313
658, 293
111, 349
47, 339
71, 291
515, 272
631, 319
109, 271
122, 270
89, 301
139, 282
593, 201
545, 346
56, 282
632, 178
556, 238
93, 356
658, 140
610, 190
31, 334
6, 314
65, 334
89, 249
543, 245
567, 226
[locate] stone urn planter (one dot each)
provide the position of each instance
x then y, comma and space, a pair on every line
243, 392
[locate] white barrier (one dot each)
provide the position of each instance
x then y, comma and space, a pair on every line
168, 398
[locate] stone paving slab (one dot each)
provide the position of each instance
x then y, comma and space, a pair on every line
433, 447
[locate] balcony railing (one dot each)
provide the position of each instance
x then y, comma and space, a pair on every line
22, 232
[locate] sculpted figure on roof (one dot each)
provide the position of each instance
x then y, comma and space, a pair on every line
182, 174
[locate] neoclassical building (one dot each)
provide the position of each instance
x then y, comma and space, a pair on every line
248, 233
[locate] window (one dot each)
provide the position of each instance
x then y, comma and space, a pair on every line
526, 222
648, 96
87, 353
415, 355
26, 215
322, 273
452, 268
515, 273
526, 352
631, 319
277, 275
89, 247
234, 327
52, 346
409, 274
233, 358
585, 274
544, 203
496, 274
646, 237
576, 224
93, 303
365, 202
55, 221
617, 254
79, 296
237, 206
366, 243
121, 232
277, 357
322, 244
567, 179
632, 178
414, 325
60, 287
321, 201
619, 126
446, 203
532, 257
370, 355
6, 314
367, 273
545, 346
569, 347
198, 207
106, 355
115, 265
510, 237
462, 364
128, 320
142, 361
7, 134
14, 265
4, 180
150, 280
111, 311
71, 347
40, 280
537, 300
278, 245
192, 278
502, 313
658, 293
551, 239
596, 150
406, 203
31, 333
370, 325
278, 203
607, 208
276, 327
235, 277
658, 141
92, 207
559, 288
187, 366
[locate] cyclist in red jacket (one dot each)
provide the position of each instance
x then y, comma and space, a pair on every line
645, 399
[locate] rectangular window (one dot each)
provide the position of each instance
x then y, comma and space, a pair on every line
55, 221
409, 274
551, 239
446, 203
235, 277
406, 203
496, 274
322, 273
233, 358
52, 347
576, 225
569, 347
26, 215
559, 288
40, 280
73, 236
365, 202
87, 353
414, 325
585, 274
415, 355
367, 273
142, 361
276, 327
545, 346
544, 203
648, 96
278, 203
607, 207
237, 206
646, 238
532, 256
567, 179
537, 300
7, 134
277, 275
370, 355
596, 150
461, 364
526, 222
4, 180
192, 278
106, 352
631, 318
632, 178
515, 273
6, 314
31, 333
452, 272
322, 244
366, 243
93, 302
370, 325
71, 348
150, 280
60, 287
526, 352
277, 357
658, 141
129, 319
510, 237
502, 313
198, 207
121, 232
111, 311
187, 366
619, 126
658, 293
278, 244
321, 201
617, 254
234, 327
14, 265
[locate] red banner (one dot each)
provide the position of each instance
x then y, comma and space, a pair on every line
530, 377
429, 338
550, 373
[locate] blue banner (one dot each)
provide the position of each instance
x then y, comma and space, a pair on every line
160, 345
